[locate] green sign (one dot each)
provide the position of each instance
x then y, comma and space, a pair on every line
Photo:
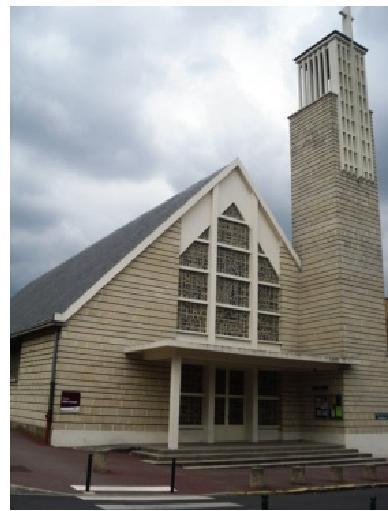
338, 412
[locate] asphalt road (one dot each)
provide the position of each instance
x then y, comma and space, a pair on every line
346, 499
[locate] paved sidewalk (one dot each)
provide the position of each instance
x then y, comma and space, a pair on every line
35, 465
352, 499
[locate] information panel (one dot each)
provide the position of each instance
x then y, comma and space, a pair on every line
328, 406
70, 401
381, 416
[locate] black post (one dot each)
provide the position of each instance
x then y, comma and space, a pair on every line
264, 502
89, 472
373, 503
50, 410
172, 485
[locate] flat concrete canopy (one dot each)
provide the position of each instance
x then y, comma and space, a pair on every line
200, 352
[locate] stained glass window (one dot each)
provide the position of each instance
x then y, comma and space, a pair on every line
267, 327
233, 212
265, 271
192, 316
205, 234
196, 255
268, 298
192, 284
232, 292
232, 262
232, 233
232, 322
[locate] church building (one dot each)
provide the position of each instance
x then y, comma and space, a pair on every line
200, 322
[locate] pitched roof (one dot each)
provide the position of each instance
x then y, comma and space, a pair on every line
54, 292
59, 293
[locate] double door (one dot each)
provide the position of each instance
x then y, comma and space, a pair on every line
230, 405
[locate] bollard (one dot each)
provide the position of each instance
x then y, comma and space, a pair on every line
89, 472
99, 461
256, 477
372, 503
172, 484
264, 502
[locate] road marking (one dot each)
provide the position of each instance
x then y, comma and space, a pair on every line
189, 505
81, 487
158, 498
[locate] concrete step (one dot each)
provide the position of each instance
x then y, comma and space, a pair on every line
252, 453
359, 460
213, 457
278, 446
278, 458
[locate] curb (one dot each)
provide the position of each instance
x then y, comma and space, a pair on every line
307, 489
16, 488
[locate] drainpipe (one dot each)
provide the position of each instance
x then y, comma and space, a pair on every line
50, 410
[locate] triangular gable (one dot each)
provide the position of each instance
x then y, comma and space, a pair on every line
221, 175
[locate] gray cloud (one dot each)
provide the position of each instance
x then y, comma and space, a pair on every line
114, 109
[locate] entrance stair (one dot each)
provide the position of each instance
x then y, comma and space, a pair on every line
238, 455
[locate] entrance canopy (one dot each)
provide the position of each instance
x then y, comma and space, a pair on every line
251, 360
196, 351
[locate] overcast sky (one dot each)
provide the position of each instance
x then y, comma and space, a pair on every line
113, 110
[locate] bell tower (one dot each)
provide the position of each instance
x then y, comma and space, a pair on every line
337, 64
336, 225
335, 213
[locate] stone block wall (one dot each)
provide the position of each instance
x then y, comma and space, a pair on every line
121, 396
289, 281
314, 165
336, 232
29, 394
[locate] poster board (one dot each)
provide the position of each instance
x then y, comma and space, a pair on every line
328, 406
70, 401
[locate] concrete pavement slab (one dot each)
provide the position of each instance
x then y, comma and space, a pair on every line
36, 465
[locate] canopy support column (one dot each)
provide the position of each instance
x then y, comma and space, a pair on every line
175, 391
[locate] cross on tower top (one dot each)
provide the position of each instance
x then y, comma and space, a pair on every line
347, 22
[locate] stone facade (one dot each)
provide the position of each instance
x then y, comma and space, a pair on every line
336, 232
117, 394
314, 169
289, 282
30, 390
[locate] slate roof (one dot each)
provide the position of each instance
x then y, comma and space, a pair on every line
53, 292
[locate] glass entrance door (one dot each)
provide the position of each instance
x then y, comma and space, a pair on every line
229, 409
269, 412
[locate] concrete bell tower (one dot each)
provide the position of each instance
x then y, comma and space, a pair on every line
336, 226
337, 64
